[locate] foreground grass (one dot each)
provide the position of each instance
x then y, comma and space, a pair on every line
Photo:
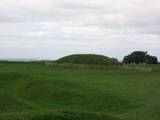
33, 91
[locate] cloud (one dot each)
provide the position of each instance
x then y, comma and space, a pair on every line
61, 27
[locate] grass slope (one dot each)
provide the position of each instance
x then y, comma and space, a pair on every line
88, 59
33, 91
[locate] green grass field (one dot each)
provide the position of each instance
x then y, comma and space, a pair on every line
33, 91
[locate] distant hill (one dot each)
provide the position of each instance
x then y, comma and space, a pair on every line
19, 59
88, 59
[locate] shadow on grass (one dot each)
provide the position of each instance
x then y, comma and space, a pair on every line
68, 115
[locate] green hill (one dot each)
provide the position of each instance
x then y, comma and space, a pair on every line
91, 59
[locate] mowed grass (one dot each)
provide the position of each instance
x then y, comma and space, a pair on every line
33, 91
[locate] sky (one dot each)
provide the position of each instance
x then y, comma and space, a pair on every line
50, 29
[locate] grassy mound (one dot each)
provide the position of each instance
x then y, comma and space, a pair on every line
91, 59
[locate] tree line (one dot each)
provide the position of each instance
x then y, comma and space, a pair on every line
140, 57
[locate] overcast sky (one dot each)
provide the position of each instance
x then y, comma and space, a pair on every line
49, 29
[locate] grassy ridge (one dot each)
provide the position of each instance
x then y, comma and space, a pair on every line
31, 91
88, 59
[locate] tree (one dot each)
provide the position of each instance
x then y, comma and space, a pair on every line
151, 59
139, 57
